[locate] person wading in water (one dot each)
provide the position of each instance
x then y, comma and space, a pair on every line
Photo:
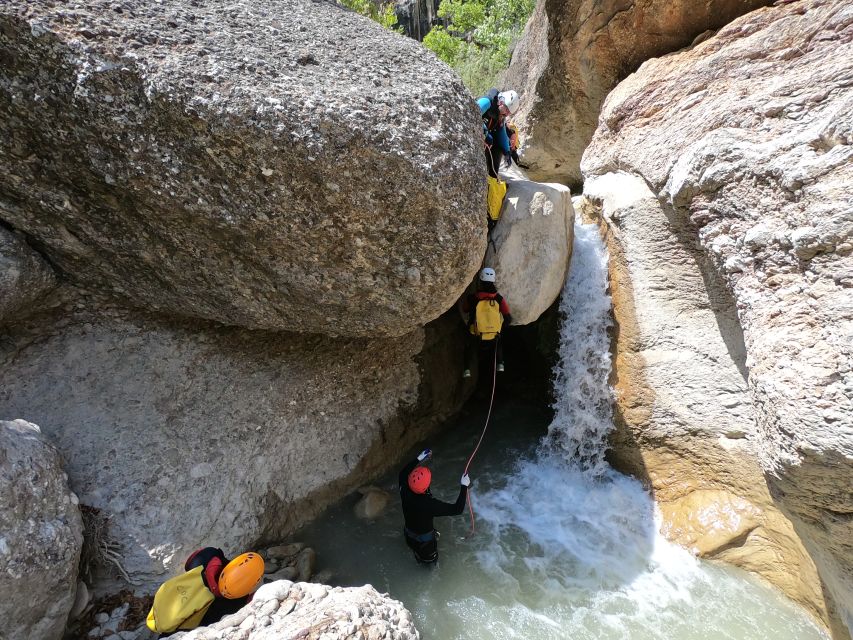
419, 507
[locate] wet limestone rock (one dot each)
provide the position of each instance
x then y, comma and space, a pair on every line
685, 419
708, 521
575, 51
245, 434
531, 246
286, 609
745, 145
41, 535
272, 167
24, 277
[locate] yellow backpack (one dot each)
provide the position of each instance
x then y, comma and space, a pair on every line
488, 319
180, 603
497, 192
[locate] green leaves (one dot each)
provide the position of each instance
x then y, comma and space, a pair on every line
382, 13
479, 37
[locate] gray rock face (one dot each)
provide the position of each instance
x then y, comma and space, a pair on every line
41, 535
292, 166
748, 138
191, 435
575, 51
532, 246
24, 277
286, 609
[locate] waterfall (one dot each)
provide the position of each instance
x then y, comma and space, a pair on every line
583, 413
565, 546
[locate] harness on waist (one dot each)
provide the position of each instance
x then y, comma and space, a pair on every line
420, 537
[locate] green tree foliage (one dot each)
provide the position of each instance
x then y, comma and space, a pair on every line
383, 13
478, 40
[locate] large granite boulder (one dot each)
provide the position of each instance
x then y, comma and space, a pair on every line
531, 246
285, 609
186, 435
745, 143
41, 535
289, 166
575, 51
24, 277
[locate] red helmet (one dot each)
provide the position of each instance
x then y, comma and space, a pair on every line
419, 479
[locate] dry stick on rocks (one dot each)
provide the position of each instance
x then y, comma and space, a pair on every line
98, 547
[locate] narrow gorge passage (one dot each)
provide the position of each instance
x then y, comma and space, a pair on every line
564, 547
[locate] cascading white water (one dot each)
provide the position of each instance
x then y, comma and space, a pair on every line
565, 547
582, 408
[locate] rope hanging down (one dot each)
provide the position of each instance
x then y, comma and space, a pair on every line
482, 435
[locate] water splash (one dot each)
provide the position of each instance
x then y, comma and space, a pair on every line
583, 414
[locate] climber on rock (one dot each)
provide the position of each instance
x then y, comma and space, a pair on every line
420, 507
488, 312
495, 108
210, 589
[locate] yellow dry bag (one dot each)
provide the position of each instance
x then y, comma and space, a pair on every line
180, 603
497, 191
488, 319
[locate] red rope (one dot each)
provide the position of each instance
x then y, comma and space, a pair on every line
482, 435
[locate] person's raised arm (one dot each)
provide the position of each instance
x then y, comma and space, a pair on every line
439, 508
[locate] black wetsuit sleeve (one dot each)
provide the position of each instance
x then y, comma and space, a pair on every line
439, 508
403, 478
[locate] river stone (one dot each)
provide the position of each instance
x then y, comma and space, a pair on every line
24, 276
41, 535
304, 610
81, 600
306, 562
285, 573
372, 504
531, 246
285, 551
750, 127
574, 52
220, 425
292, 166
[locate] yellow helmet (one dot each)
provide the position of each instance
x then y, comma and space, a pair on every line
241, 576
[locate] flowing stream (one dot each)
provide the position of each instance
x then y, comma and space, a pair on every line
564, 547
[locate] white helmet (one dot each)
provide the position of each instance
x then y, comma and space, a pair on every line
487, 275
510, 99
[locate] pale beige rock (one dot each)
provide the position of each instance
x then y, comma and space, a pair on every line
575, 51
746, 143
708, 521
372, 504
531, 246
287, 609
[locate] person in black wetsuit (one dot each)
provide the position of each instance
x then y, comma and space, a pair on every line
419, 508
